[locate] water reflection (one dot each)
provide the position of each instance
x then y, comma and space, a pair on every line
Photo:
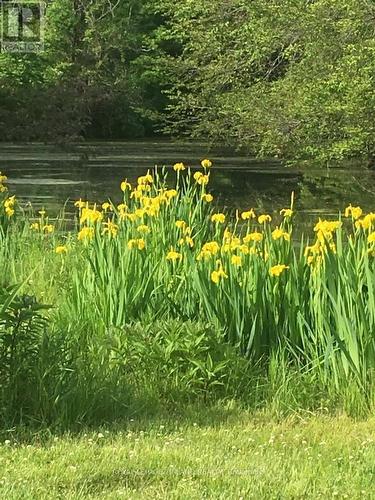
49, 175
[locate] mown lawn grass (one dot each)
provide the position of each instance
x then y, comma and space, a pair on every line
230, 454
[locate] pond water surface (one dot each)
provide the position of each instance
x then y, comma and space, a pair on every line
49, 176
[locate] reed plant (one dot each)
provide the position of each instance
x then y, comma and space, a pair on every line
169, 253
166, 255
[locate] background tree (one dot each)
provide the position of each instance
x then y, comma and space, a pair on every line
287, 78
86, 82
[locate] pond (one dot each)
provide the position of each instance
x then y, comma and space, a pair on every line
50, 176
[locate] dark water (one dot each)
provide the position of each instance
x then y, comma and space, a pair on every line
49, 176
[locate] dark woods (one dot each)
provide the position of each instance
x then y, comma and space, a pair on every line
286, 78
90, 81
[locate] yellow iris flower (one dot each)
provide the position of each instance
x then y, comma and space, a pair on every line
61, 249
250, 214
264, 218
257, 237
217, 275
278, 270
286, 212
125, 186
353, 212
173, 255
218, 218
138, 243
236, 260
178, 167
86, 234
206, 163
279, 233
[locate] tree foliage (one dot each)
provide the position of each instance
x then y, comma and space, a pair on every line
86, 81
286, 78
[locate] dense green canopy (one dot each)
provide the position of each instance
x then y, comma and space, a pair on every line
288, 78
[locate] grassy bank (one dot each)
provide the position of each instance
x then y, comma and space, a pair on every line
164, 299
210, 454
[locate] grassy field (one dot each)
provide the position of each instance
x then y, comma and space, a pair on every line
161, 349
205, 454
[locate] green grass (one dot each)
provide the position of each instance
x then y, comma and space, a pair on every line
204, 454
213, 379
